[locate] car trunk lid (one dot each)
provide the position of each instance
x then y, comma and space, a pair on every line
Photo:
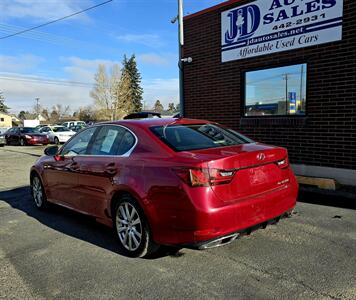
250, 169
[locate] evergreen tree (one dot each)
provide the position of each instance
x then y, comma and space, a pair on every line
125, 103
3, 107
171, 108
158, 106
131, 81
22, 115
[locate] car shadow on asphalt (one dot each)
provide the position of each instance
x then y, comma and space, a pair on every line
70, 223
22, 152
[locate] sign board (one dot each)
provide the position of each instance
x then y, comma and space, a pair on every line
269, 26
292, 97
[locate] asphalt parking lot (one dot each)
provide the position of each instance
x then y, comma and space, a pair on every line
59, 254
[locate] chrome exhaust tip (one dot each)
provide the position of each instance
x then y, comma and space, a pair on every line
220, 241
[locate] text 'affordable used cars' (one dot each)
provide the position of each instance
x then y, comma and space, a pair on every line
176, 182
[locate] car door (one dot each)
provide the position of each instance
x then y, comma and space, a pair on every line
61, 172
47, 130
107, 156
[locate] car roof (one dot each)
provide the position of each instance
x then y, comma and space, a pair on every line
157, 122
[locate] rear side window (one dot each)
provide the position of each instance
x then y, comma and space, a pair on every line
198, 136
112, 140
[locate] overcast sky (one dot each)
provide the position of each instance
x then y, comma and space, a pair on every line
40, 63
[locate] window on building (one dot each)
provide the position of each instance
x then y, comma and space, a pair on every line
2, 120
276, 92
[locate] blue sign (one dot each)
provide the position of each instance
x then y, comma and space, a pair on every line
292, 97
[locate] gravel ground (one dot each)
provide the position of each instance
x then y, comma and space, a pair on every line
59, 254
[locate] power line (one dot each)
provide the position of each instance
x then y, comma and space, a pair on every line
56, 20
40, 80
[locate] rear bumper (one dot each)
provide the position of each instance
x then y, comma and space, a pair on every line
201, 218
227, 239
37, 142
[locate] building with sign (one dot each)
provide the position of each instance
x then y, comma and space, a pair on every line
282, 72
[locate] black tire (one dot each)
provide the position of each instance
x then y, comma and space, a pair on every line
22, 142
130, 230
40, 202
56, 140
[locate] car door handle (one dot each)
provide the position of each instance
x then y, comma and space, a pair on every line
111, 169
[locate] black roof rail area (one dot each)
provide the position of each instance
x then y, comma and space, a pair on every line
142, 115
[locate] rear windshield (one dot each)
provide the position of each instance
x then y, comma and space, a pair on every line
198, 136
60, 129
29, 130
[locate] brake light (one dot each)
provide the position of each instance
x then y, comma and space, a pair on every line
196, 177
283, 164
193, 177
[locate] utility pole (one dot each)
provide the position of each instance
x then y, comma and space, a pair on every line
301, 87
180, 63
285, 77
37, 108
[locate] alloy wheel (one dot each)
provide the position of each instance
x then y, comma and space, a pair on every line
37, 191
129, 226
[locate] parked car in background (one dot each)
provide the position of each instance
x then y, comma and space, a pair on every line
57, 134
2, 140
73, 123
4, 129
180, 182
77, 128
25, 136
41, 126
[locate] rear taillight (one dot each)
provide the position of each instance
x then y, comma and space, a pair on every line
204, 177
283, 164
218, 176
193, 177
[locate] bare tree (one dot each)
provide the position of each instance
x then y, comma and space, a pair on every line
86, 114
105, 92
58, 112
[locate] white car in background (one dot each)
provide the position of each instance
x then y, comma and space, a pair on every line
70, 124
57, 134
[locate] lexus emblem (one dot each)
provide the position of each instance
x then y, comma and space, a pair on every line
261, 156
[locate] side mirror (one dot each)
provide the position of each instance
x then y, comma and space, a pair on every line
51, 151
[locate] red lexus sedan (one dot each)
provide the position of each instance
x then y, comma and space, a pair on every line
175, 182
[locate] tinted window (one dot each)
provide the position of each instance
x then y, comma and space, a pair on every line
45, 129
198, 136
112, 140
60, 129
79, 144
